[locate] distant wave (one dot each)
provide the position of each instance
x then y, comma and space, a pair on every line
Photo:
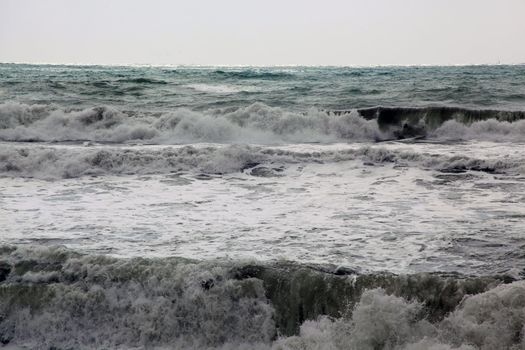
142, 81
70, 162
57, 298
257, 123
253, 73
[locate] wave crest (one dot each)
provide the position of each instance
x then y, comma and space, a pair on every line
54, 297
256, 123
491, 130
490, 320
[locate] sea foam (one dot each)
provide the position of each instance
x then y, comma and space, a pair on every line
51, 162
256, 123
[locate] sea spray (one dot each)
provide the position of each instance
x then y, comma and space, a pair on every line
256, 123
54, 297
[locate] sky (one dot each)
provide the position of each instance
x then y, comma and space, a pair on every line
257, 32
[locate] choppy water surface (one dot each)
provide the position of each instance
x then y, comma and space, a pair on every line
400, 215
303, 207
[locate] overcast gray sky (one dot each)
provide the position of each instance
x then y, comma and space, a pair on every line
269, 32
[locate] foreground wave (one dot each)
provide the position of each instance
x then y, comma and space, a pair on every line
51, 297
75, 161
256, 123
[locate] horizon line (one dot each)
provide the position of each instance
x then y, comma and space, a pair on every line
169, 65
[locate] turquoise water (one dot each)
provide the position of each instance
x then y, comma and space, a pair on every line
173, 105
156, 89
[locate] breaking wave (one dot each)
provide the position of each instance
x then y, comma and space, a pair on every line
435, 116
55, 298
257, 123
70, 162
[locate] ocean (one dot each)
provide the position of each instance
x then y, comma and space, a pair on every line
146, 207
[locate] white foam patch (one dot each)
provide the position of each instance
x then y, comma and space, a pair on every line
390, 207
490, 130
48, 162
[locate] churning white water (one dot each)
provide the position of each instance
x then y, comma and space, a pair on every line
262, 208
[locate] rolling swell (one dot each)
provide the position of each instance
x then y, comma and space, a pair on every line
436, 116
71, 162
256, 123
56, 298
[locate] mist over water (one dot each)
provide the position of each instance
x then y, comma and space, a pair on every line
262, 208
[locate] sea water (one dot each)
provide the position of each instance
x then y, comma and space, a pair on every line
260, 208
